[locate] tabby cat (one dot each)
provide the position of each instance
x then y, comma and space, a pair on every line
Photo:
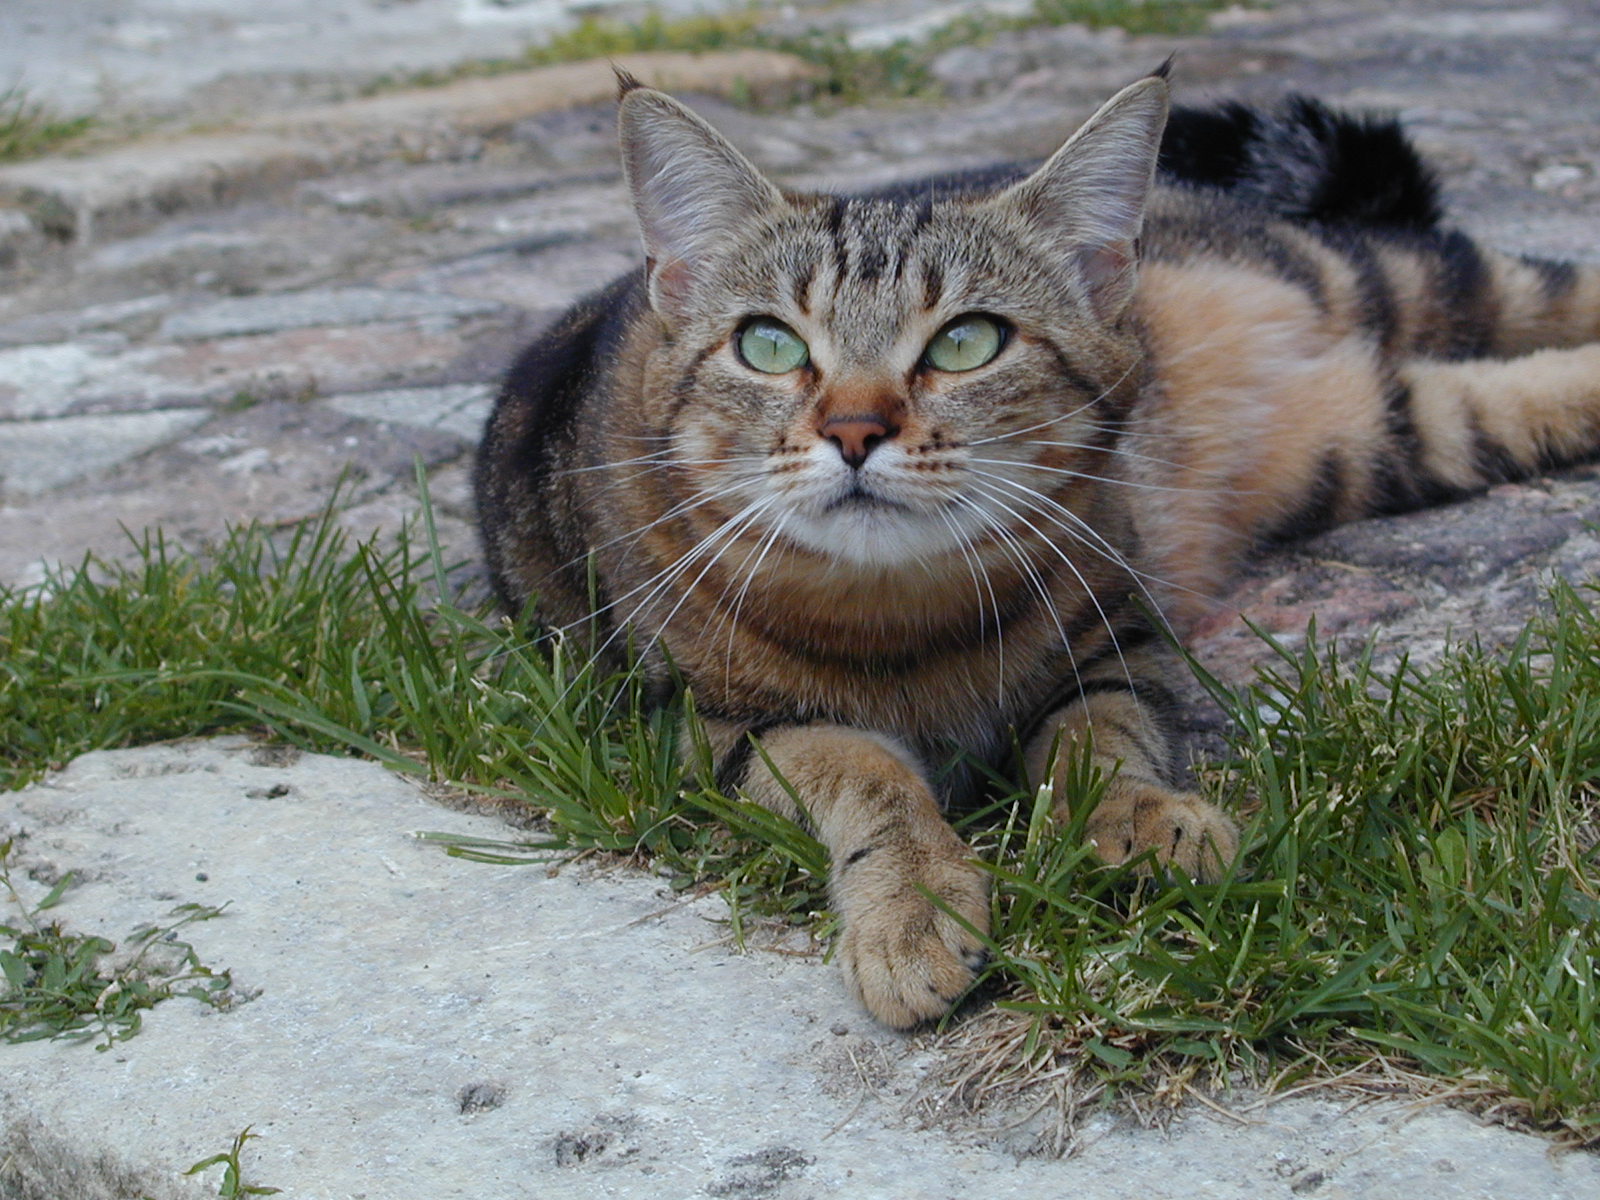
893, 476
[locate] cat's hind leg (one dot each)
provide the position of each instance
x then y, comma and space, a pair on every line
913, 903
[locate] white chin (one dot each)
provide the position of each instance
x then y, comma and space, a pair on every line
873, 535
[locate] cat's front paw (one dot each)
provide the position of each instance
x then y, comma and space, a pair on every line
905, 957
1184, 831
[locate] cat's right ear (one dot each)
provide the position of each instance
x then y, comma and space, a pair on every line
690, 187
1090, 195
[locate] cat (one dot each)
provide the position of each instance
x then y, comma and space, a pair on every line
889, 476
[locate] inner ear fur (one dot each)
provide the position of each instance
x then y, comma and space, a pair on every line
690, 187
1090, 195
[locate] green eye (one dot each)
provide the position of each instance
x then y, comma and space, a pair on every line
772, 347
965, 343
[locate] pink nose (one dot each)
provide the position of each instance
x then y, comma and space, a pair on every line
857, 437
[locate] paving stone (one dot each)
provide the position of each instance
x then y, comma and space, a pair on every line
106, 375
305, 362
119, 190
460, 409
122, 189
48, 380
419, 190
580, 211
36, 456
542, 280
277, 462
66, 324
338, 306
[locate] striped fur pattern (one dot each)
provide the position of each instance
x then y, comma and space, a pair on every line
870, 563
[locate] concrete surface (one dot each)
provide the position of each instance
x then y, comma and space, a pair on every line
297, 307
412, 1026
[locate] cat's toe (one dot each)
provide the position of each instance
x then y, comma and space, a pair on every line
909, 959
1184, 831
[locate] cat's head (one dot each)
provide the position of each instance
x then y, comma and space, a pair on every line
885, 380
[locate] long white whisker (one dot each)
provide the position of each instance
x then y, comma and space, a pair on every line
766, 544
1018, 554
977, 570
748, 519
1138, 457
1086, 535
658, 459
730, 528
1056, 420
664, 578
1088, 591
1109, 479
692, 501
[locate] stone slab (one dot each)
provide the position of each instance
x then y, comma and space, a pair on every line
412, 1025
37, 456
211, 57
124, 188
232, 316
102, 374
461, 409
127, 187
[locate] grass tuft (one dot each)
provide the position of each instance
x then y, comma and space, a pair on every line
846, 73
1420, 899
233, 1183
57, 986
29, 129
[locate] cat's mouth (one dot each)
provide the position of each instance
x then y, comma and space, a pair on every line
859, 498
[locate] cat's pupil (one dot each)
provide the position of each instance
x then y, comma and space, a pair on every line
965, 343
771, 347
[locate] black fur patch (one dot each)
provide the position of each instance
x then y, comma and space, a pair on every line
1558, 278
1465, 279
1495, 463
1400, 483
735, 763
1378, 311
1305, 161
1302, 160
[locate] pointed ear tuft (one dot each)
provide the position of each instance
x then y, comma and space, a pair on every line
626, 81
690, 188
1090, 196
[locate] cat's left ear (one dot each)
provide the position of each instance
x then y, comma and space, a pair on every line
1091, 194
690, 189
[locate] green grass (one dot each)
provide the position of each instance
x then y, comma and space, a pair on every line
1420, 899
233, 1184
29, 129
845, 74
57, 983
